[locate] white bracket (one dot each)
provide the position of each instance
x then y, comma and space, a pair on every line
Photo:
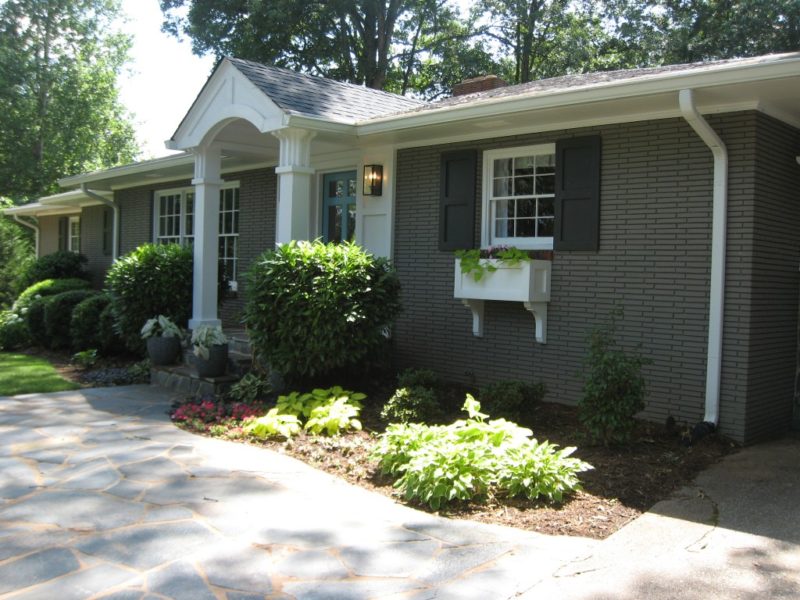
539, 312
476, 306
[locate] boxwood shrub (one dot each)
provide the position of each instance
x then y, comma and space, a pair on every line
58, 265
85, 326
47, 287
58, 317
110, 342
514, 400
13, 331
151, 280
34, 317
313, 308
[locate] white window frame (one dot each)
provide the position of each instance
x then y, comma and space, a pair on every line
487, 209
74, 241
184, 237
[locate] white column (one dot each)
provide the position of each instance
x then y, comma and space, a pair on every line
206, 182
294, 185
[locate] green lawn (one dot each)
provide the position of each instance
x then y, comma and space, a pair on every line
22, 374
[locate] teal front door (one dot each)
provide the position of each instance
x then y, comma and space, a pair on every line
339, 206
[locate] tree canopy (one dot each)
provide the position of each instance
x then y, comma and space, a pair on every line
60, 112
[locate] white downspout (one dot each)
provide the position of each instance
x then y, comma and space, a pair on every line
718, 243
34, 226
115, 225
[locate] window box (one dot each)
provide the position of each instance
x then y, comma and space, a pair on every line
527, 282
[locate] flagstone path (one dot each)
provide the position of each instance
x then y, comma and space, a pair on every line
102, 497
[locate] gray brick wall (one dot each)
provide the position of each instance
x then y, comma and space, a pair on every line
92, 243
653, 263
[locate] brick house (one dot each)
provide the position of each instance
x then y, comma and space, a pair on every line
669, 192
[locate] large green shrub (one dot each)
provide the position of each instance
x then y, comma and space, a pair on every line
35, 319
313, 308
110, 342
84, 328
613, 388
16, 252
58, 317
513, 400
13, 331
47, 287
151, 280
58, 265
411, 405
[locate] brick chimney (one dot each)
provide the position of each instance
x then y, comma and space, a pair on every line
478, 84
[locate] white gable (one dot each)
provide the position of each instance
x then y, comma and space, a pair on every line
228, 95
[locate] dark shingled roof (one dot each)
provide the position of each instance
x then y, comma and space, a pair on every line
306, 95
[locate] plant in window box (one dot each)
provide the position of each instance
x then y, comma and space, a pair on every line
163, 338
475, 264
210, 347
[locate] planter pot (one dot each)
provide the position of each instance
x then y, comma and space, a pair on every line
215, 365
163, 350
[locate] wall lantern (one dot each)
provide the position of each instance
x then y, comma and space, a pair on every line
373, 180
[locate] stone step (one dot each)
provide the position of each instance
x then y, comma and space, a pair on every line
184, 380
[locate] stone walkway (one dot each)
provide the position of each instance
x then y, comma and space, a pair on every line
101, 497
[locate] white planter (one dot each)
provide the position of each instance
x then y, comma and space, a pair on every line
528, 281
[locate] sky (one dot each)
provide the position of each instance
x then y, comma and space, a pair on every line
165, 77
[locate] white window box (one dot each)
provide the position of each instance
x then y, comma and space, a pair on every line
527, 282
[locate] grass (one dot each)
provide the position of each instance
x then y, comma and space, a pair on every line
22, 374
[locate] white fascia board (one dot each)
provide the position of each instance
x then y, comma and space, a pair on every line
72, 198
320, 125
145, 166
38, 210
612, 90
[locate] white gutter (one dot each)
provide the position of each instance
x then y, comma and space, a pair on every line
718, 243
115, 225
34, 226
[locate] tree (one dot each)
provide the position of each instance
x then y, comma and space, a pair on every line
16, 251
60, 112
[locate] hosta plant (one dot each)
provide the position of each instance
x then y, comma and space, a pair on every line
274, 424
160, 326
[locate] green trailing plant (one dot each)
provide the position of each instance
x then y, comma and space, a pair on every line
314, 308
250, 389
473, 459
153, 279
85, 359
411, 404
47, 287
58, 317
86, 328
513, 400
14, 332
160, 326
613, 388
206, 336
475, 265
62, 264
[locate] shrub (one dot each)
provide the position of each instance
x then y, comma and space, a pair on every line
58, 317
85, 359
48, 287
35, 319
511, 399
13, 331
58, 265
151, 280
85, 327
411, 405
16, 252
613, 388
314, 308
475, 458
249, 389
109, 341
417, 378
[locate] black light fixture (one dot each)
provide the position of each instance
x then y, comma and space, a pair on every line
373, 180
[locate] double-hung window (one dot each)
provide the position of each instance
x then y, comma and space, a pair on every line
74, 237
174, 223
518, 198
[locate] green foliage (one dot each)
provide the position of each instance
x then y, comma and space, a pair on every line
315, 308
613, 388
13, 331
58, 265
47, 287
16, 252
58, 317
417, 378
473, 459
274, 424
160, 326
109, 341
330, 411
474, 263
513, 400
151, 280
60, 112
250, 389
85, 359
35, 319
206, 336
411, 404
86, 328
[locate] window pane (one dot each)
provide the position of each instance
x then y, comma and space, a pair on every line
546, 207
502, 187
502, 167
545, 227
523, 165
503, 208
526, 227
351, 187
504, 228
236, 221
331, 189
523, 186
546, 163
545, 184
335, 223
526, 208
351, 222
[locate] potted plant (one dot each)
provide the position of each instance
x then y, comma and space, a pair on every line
163, 340
210, 347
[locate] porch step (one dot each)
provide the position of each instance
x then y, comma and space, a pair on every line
184, 380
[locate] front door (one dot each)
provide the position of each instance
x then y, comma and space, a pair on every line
339, 206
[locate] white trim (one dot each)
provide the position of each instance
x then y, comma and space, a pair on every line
73, 220
487, 218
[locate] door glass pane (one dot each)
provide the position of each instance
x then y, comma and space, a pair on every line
351, 222
334, 224
351, 188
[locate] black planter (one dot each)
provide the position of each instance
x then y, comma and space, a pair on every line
215, 365
163, 350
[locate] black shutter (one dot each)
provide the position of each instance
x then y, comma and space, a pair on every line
63, 232
577, 225
457, 200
